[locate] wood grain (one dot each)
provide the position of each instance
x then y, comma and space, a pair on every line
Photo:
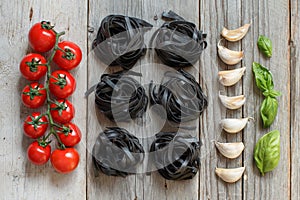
279, 20
270, 19
22, 179
295, 93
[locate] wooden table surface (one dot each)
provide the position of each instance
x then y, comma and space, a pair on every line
279, 20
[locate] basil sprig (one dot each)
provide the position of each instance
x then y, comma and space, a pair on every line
264, 82
267, 152
265, 45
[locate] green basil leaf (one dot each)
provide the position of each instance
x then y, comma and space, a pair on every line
263, 77
272, 93
268, 111
267, 152
265, 45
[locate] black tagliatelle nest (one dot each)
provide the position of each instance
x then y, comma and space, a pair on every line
176, 155
178, 43
120, 97
120, 40
180, 95
116, 152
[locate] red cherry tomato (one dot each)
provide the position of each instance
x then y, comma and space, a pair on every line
64, 161
34, 95
35, 125
70, 58
38, 154
62, 84
62, 111
30, 66
42, 37
70, 135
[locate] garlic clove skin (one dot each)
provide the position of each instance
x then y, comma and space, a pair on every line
230, 175
236, 34
228, 56
231, 125
234, 102
230, 150
231, 77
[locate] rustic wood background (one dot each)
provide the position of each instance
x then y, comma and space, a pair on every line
279, 20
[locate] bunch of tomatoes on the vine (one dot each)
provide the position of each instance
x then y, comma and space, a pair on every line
59, 85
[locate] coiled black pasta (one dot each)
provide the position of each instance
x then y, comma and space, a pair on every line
180, 95
176, 155
178, 43
120, 40
116, 152
120, 97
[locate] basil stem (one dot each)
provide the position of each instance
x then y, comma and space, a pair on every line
265, 45
267, 152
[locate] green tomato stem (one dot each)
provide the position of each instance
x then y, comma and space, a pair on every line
49, 100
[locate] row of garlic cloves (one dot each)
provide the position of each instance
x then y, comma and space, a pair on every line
231, 125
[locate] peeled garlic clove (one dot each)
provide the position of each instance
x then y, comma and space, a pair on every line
236, 34
230, 150
230, 175
231, 77
231, 125
228, 56
234, 102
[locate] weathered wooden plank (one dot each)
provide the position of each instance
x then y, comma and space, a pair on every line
22, 179
154, 186
295, 108
268, 18
100, 185
214, 16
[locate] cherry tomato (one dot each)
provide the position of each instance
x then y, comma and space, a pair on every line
62, 84
30, 66
38, 154
35, 125
70, 135
34, 95
70, 58
64, 161
62, 111
42, 37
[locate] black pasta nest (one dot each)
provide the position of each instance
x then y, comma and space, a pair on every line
180, 95
176, 155
120, 97
116, 152
120, 40
178, 43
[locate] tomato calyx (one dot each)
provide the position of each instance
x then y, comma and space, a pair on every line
33, 65
33, 92
61, 81
66, 130
35, 122
43, 143
68, 54
60, 106
46, 25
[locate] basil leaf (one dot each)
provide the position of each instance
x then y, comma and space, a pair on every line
265, 45
272, 93
268, 111
263, 77
267, 152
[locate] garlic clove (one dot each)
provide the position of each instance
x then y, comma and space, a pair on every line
234, 102
231, 77
230, 150
236, 34
231, 125
230, 175
228, 56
